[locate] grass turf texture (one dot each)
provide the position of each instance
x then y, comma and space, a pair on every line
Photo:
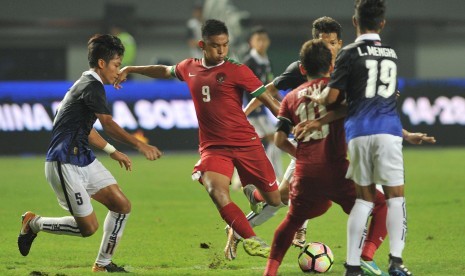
174, 228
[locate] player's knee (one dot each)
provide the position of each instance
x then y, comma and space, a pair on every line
123, 207
89, 230
274, 202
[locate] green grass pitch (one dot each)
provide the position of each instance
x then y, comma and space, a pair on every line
172, 216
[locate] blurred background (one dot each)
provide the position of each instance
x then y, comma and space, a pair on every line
43, 50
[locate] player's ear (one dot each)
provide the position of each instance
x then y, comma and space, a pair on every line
201, 44
302, 69
354, 21
101, 63
381, 25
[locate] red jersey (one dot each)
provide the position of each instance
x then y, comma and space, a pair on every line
324, 146
217, 95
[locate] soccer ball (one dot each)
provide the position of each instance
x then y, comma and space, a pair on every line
316, 257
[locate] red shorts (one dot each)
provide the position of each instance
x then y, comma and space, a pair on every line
252, 164
311, 193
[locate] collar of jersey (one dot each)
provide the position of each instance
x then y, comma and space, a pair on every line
208, 67
260, 59
94, 74
370, 36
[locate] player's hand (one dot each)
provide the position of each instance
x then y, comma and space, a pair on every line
122, 76
305, 127
317, 93
418, 138
150, 152
122, 159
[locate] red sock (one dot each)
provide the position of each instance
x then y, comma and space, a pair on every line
283, 237
377, 231
235, 218
258, 196
271, 268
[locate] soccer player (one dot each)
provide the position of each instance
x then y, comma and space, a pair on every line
329, 30
321, 161
72, 169
257, 60
366, 71
227, 139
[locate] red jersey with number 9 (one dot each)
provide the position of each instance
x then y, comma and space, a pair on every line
217, 95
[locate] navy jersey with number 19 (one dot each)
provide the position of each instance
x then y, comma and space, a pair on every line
367, 72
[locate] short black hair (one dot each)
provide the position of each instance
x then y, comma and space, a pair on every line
213, 27
257, 30
326, 25
315, 57
104, 47
370, 14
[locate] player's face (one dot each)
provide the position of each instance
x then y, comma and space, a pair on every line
260, 42
334, 43
215, 49
110, 70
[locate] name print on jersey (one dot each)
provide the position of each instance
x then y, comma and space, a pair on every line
377, 52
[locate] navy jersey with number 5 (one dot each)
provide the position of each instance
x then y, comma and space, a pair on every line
366, 71
74, 121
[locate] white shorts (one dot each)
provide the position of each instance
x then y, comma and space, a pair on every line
289, 171
263, 125
376, 159
74, 185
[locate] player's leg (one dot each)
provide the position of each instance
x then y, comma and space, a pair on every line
360, 171
344, 195
302, 207
389, 172
68, 182
255, 168
103, 188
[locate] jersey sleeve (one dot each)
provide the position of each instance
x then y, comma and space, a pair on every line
340, 76
95, 98
284, 110
179, 70
247, 80
291, 78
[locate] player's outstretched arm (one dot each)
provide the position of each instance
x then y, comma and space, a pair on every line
116, 132
152, 71
270, 102
255, 102
417, 138
97, 141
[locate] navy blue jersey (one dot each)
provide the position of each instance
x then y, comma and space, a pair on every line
261, 67
75, 119
366, 71
291, 78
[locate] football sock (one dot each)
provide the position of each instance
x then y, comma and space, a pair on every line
396, 225
113, 228
377, 228
283, 236
271, 268
59, 226
304, 225
357, 230
267, 213
236, 219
